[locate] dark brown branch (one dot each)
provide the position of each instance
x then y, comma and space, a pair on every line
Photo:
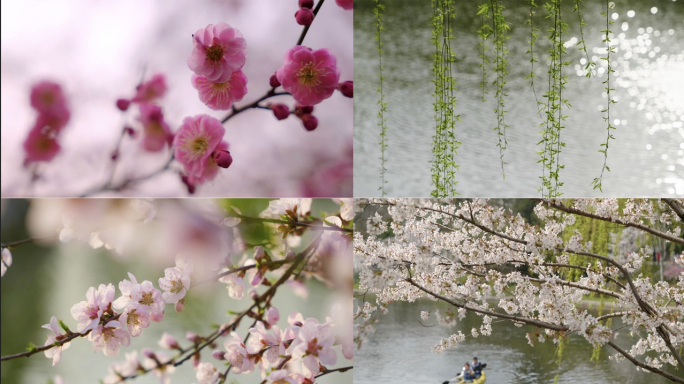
645, 366
676, 206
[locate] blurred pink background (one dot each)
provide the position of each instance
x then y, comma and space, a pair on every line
97, 51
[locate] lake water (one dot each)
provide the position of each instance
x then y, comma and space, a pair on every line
400, 350
646, 157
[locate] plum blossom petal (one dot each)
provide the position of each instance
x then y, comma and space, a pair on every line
136, 318
237, 354
310, 76
151, 90
195, 141
156, 132
109, 338
218, 51
207, 374
54, 353
221, 96
175, 283
345, 4
235, 285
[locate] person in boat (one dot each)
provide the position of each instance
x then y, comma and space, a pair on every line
467, 374
477, 368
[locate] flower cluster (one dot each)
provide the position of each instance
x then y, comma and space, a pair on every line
218, 55
41, 144
479, 257
138, 304
156, 132
294, 352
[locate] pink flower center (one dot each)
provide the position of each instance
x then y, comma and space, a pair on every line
146, 299
214, 53
308, 75
199, 145
133, 317
313, 347
176, 286
222, 86
91, 311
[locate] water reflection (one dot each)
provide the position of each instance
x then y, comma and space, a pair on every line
645, 159
401, 349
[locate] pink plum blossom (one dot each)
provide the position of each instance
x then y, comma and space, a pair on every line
109, 338
237, 354
125, 368
40, 146
221, 96
151, 90
281, 376
6, 261
345, 4
235, 285
136, 318
272, 316
56, 352
47, 96
156, 133
159, 370
88, 312
175, 283
262, 339
314, 345
207, 374
310, 76
218, 51
195, 142
144, 295
277, 208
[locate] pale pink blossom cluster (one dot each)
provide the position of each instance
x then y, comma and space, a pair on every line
482, 258
41, 144
138, 304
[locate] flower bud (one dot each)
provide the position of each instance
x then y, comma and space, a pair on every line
192, 336
218, 355
168, 342
310, 122
347, 88
196, 360
306, 4
123, 104
180, 305
273, 81
147, 352
259, 254
303, 109
222, 158
304, 17
281, 111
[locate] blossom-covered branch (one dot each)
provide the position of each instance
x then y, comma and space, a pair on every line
472, 253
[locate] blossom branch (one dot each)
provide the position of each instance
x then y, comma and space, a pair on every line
70, 336
17, 243
644, 366
564, 208
108, 186
342, 369
294, 223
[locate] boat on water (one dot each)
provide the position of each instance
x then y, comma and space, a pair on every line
479, 380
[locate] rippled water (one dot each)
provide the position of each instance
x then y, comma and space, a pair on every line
647, 157
401, 351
